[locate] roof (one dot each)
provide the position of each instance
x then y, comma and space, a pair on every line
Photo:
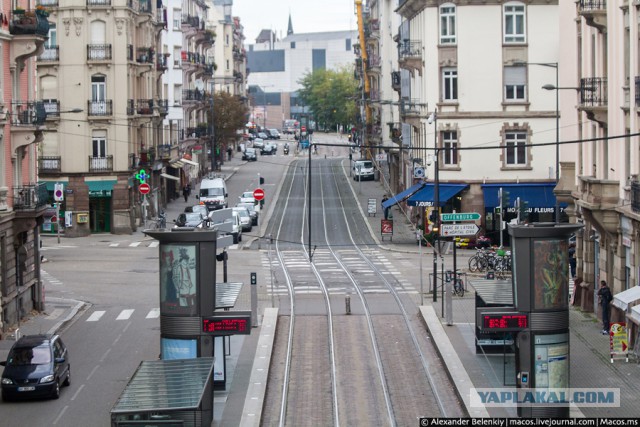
325, 35
161, 385
30, 340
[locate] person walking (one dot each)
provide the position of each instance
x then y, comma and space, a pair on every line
572, 259
185, 192
604, 298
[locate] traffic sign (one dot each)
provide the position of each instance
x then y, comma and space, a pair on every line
144, 188
469, 216
258, 194
468, 229
58, 194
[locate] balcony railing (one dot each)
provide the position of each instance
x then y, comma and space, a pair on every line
593, 5
49, 164
50, 54
162, 63
593, 92
144, 6
130, 107
145, 55
637, 91
100, 108
144, 107
98, 2
163, 106
193, 95
374, 61
374, 95
197, 132
30, 197
410, 107
395, 80
635, 196
27, 113
409, 49
98, 52
164, 151
51, 107
101, 164
25, 22
161, 16
395, 131
47, 3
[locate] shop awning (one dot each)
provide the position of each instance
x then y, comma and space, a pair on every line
189, 162
403, 195
635, 314
494, 292
177, 164
425, 196
100, 185
623, 299
166, 175
538, 195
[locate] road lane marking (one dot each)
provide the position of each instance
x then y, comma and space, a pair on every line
77, 392
93, 371
114, 245
124, 315
104, 356
154, 313
95, 316
134, 244
60, 415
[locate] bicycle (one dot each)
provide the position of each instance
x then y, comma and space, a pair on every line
458, 285
159, 222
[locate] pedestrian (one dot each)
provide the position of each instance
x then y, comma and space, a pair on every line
604, 298
230, 152
576, 288
385, 209
572, 259
185, 192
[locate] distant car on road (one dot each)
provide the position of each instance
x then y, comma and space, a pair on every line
245, 218
247, 197
274, 134
37, 366
269, 149
258, 143
198, 209
253, 211
250, 154
190, 219
263, 135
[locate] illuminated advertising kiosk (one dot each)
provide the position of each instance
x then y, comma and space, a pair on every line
541, 297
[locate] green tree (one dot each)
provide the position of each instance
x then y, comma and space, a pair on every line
330, 95
229, 115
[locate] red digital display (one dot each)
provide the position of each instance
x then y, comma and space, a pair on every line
226, 325
504, 322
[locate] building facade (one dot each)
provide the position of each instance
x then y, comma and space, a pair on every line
23, 202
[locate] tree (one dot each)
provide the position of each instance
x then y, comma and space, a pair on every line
331, 96
229, 115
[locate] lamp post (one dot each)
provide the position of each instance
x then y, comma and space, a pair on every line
433, 118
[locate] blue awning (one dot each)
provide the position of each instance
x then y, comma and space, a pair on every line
538, 195
403, 195
425, 196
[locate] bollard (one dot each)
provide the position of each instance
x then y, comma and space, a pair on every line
347, 303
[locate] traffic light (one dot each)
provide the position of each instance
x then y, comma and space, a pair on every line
433, 216
504, 198
522, 207
261, 180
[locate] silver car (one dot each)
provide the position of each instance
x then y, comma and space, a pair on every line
245, 218
253, 211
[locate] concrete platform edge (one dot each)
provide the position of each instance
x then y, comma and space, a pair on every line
252, 411
454, 365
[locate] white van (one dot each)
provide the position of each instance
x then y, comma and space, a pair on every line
213, 193
363, 169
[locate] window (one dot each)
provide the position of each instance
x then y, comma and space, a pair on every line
515, 148
449, 84
447, 24
514, 23
177, 19
177, 94
348, 45
450, 147
227, 64
515, 79
99, 146
177, 55
293, 45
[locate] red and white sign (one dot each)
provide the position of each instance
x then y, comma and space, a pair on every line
144, 188
258, 194
386, 227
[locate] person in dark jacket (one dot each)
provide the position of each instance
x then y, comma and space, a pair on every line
605, 297
572, 259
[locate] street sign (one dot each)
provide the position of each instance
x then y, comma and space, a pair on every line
459, 229
58, 194
258, 194
144, 188
469, 216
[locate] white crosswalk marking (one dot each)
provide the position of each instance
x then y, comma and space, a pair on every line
153, 314
154, 244
95, 316
134, 244
114, 245
124, 315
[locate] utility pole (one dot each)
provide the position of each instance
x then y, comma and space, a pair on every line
211, 133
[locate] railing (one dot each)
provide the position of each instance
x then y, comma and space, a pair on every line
26, 22
409, 107
163, 106
30, 197
47, 3
101, 164
144, 6
593, 92
593, 4
395, 80
192, 95
637, 91
162, 63
374, 61
409, 49
374, 95
27, 113
192, 21
164, 151
161, 16
145, 55
395, 131
51, 53
193, 58
197, 132
635, 196
51, 107
144, 106
130, 108
100, 108
97, 52
98, 2
51, 164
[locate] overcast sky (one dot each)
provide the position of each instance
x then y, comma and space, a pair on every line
307, 16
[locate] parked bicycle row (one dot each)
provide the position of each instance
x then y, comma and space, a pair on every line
487, 259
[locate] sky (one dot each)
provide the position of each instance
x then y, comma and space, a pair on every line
307, 16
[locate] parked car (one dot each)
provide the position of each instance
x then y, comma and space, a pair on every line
198, 209
263, 135
274, 134
247, 197
268, 149
190, 219
37, 366
258, 143
363, 169
253, 211
250, 154
245, 218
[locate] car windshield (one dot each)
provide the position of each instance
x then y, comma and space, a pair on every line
23, 356
250, 207
367, 165
243, 212
216, 191
194, 217
247, 195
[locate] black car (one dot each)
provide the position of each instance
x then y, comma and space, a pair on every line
190, 219
37, 366
249, 154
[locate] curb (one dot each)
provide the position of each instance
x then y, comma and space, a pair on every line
76, 307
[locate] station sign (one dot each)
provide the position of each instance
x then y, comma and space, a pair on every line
227, 323
468, 216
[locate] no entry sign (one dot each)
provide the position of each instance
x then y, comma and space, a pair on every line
258, 194
144, 188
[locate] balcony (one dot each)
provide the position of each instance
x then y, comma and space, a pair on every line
395, 81
372, 30
161, 17
162, 63
395, 132
192, 95
163, 106
30, 197
26, 119
98, 52
374, 133
410, 110
49, 165
100, 108
373, 64
99, 3
595, 13
51, 108
410, 56
635, 197
164, 151
50, 54
374, 95
29, 22
101, 164
144, 107
130, 107
594, 98
47, 3
144, 6
145, 55
197, 132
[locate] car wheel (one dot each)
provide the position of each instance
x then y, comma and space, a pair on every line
240, 238
56, 391
67, 381
235, 239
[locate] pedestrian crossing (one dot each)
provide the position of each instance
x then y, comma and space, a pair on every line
124, 314
143, 243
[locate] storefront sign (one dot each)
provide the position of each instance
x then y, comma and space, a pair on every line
386, 227
618, 341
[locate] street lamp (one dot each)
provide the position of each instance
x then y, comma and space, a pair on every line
433, 118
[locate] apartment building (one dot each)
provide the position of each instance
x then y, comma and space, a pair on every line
470, 83
23, 202
603, 87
